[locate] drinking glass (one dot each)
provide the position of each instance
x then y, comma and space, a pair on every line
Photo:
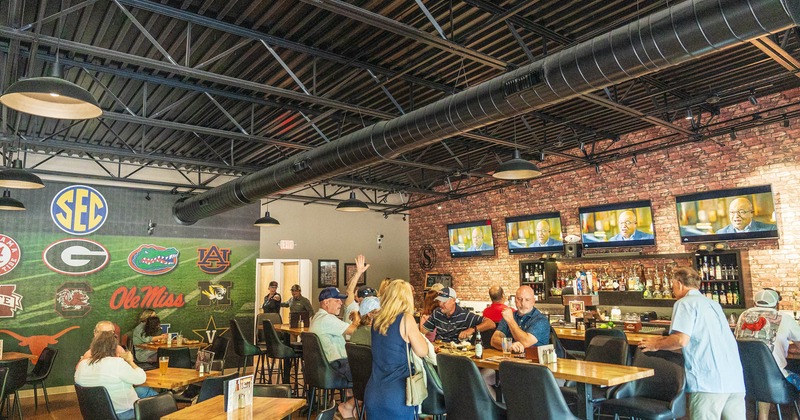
163, 363
507, 345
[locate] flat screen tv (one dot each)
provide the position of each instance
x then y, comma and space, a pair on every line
723, 215
534, 233
616, 225
471, 239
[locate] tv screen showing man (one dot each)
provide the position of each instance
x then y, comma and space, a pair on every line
618, 225
745, 213
534, 233
471, 239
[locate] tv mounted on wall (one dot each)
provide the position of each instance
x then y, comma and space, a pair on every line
534, 233
735, 214
617, 225
471, 239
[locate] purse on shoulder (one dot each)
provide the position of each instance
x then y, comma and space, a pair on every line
416, 388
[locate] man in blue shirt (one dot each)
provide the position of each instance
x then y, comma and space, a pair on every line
714, 378
527, 325
740, 213
452, 322
627, 228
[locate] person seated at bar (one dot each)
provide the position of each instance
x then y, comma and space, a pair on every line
495, 310
429, 304
117, 374
777, 329
147, 331
368, 309
453, 323
331, 332
527, 326
714, 376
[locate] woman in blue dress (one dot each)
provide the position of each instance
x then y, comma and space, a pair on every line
393, 329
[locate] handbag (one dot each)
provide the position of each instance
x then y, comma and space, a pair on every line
416, 388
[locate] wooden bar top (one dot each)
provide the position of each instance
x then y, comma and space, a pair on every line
12, 355
286, 328
174, 378
572, 334
262, 408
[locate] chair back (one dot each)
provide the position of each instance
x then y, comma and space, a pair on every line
153, 408
608, 349
220, 347
327, 414
272, 390
213, 386
360, 360
594, 332
561, 352
531, 393
465, 393
434, 403
95, 403
668, 383
763, 379
241, 345
276, 349
275, 319
317, 372
3, 377
179, 357
17, 374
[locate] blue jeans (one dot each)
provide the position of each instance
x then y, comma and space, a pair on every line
794, 379
126, 415
144, 391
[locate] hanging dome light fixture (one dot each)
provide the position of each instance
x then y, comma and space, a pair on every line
8, 203
17, 177
516, 169
352, 204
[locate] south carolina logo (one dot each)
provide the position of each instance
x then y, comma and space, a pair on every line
79, 210
9, 254
75, 257
213, 260
72, 300
153, 260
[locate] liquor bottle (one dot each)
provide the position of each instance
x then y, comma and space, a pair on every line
708, 291
705, 268
731, 301
527, 274
734, 270
715, 293
702, 288
736, 293
478, 345
718, 270
711, 273
723, 296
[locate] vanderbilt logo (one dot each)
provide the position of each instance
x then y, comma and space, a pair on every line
213, 260
214, 294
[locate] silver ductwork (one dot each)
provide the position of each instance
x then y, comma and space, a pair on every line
673, 36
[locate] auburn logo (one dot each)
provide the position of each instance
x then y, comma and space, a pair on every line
213, 260
79, 210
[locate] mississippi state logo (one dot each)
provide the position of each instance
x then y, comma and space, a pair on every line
213, 260
10, 302
9, 254
79, 210
75, 257
152, 260
72, 300
214, 294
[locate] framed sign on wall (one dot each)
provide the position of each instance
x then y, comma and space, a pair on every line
328, 273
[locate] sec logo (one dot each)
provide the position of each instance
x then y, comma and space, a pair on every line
75, 257
79, 210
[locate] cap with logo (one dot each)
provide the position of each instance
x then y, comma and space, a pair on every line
273, 284
369, 304
446, 294
767, 298
331, 293
365, 291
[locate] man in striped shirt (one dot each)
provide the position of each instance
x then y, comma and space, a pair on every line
452, 322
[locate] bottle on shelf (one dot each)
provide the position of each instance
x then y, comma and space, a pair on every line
715, 293
723, 296
704, 269
718, 269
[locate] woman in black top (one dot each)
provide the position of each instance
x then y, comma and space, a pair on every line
272, 301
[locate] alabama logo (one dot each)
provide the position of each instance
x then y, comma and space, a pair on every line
79, 210
75, 257
10, 302
214, 294
72, 300
152, 260
9, 254
213, 260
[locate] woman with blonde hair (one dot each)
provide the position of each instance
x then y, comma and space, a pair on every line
385, 282
394, 335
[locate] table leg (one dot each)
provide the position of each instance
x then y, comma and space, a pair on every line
585, 406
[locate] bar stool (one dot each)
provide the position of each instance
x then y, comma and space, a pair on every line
286, 356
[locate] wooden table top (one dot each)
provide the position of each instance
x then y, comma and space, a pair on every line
286, 328
572, 334
594, 373
155, 346
175, 377
12, 355
263, 407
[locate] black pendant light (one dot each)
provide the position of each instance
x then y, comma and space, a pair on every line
352, 204
267, 221
17, 177
8, 203
516, 169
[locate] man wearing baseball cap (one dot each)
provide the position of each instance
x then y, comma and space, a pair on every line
776, 328
331, 331
354, 298
452, 322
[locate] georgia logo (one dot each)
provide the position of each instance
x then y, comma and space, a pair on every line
75, 257
79, 210
213, 260
152, 260
10, 254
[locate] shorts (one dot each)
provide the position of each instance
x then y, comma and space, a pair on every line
342, 368
794, 379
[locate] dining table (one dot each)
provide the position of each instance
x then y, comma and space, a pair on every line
292, 331
584, 374
262, 408
155, 345
579, 335
175, 377
13, 355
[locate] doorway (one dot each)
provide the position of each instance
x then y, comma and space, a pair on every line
287, 273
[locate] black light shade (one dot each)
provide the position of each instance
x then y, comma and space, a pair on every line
8, 203
267, 221
352, 204
51, 97
517, 168
16, 177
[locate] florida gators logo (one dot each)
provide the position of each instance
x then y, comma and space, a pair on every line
213, 260
152, 260
79, 210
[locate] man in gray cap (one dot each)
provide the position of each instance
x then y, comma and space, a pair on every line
452, 322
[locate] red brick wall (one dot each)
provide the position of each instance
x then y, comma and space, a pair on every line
766, 155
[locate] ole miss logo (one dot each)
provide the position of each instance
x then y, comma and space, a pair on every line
9, 254
213, 260
79, 210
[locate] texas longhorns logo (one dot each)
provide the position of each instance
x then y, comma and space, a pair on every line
37, 343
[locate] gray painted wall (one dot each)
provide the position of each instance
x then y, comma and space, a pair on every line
321, 232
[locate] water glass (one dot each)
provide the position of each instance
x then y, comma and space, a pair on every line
507, 345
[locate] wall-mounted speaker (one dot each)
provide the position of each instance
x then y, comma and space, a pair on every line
572, 250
